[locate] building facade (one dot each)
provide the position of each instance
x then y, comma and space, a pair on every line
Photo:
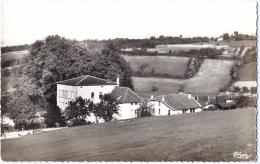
90, 87
173, 104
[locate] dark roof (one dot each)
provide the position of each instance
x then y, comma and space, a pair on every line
86, 80
226, 105
178, 101
221, 99
203, 100
125, 95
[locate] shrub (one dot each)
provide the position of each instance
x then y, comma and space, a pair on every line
34, 125
237, 89
245, 90
245, 101
76, 122
154, 88
253, 90
145, 113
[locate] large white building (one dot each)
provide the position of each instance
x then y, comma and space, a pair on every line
173, 104
90, 87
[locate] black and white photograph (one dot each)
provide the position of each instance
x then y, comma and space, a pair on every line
129, 80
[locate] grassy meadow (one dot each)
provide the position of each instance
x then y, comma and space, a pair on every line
248, 72
175, 66
167, 138
212, 76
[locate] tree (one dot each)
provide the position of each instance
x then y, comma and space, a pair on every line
145, 109
78, 109
245, 90
154, 88
225, 36
107, 107
56, 58
237, 89
236, 35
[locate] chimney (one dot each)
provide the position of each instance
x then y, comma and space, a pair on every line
180, 91
151, 96
163, 98
117, 80
189, 95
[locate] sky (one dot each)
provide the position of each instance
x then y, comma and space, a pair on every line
26, 21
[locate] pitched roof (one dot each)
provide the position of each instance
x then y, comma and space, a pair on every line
125, 95
178, 101
86, 80
202, 99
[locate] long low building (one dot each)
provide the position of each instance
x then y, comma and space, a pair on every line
173, 104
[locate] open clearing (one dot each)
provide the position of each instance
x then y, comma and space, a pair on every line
143, 86
175, 66
14, 55
212, 76
248, 72
246, 43
168, 138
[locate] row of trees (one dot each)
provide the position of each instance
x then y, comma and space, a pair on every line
211, 53
153, 41
237, 36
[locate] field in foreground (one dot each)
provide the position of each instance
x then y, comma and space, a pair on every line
206, 136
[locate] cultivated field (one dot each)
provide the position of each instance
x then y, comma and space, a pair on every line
248, 72
246, 43
175, 66
168, 138
143, 86
211, 77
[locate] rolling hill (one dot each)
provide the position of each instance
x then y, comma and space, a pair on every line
168, 138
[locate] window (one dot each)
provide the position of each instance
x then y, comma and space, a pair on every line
100, 95
159, 111
92, 95
136, 103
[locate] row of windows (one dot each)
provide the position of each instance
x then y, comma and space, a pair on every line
70, 94
65, 93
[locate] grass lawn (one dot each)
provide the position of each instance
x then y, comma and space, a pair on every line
205, 136
248, 72
171, 65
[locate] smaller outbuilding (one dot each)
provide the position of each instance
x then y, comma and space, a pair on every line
173, 104
129, 102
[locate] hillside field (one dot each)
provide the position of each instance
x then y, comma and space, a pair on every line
205, 136
211, 77
14, 55
175, 66
248, 72
246, 43
143, 86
